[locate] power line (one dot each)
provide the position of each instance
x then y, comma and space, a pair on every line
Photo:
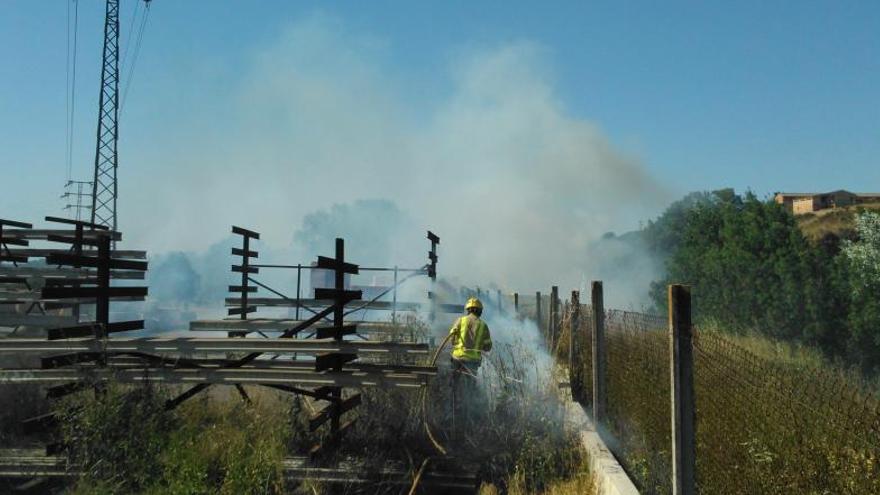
71, 89
137, 49
67, 97
130, 33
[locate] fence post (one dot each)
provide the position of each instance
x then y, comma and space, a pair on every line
554, 316
681, 355
574, 325
599, 365
298, 284
516, 303
538, 315
498, 295
394, 299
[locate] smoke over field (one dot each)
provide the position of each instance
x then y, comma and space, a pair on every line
517, 187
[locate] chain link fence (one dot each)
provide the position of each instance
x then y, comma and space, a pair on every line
762, 425
765, 426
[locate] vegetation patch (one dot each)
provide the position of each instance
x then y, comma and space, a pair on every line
771, 417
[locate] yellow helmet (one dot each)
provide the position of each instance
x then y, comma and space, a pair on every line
473, 303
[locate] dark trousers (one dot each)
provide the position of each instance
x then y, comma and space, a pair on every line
464, 391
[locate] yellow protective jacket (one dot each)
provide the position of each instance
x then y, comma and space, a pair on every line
470, 335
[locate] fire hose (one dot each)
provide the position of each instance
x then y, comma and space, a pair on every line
433, 362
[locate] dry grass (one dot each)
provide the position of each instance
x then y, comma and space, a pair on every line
128, 443
838, 221
771, 418
215, 443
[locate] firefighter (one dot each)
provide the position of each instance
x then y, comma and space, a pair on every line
470, 338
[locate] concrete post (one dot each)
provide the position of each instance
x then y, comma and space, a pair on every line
599, 364
681, 355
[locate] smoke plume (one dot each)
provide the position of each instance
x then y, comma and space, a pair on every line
517, 187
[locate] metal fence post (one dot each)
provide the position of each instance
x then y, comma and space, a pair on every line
681, 355
599, 365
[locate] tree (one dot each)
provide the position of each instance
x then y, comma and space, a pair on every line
862, 263
747, 261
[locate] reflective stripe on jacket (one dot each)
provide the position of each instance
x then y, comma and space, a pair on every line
470, 335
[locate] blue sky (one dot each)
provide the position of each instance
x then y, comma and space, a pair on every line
764, 95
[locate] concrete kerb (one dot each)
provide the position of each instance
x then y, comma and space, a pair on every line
609, 476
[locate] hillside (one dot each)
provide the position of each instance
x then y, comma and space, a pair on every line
838, 221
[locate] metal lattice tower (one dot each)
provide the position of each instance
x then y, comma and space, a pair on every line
104, 190
75, 193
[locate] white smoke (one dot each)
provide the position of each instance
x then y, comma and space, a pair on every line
516, 186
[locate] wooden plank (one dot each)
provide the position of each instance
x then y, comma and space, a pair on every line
243, 253
325, 414
245, 232
68, 359
127, 360
51, 304
332, 360
366, 305
43, 253
13, 258
239, 311
89, 329
66, 239
43, 234
20, 295
52, 272
334, 294
158, 345
332, 263
89, 292
239, 288
271, 324
70, 221
36, 320
328, 332
14, 223
245, 269
222, 376
13, 242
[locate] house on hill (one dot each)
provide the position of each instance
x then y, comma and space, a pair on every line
799, 203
